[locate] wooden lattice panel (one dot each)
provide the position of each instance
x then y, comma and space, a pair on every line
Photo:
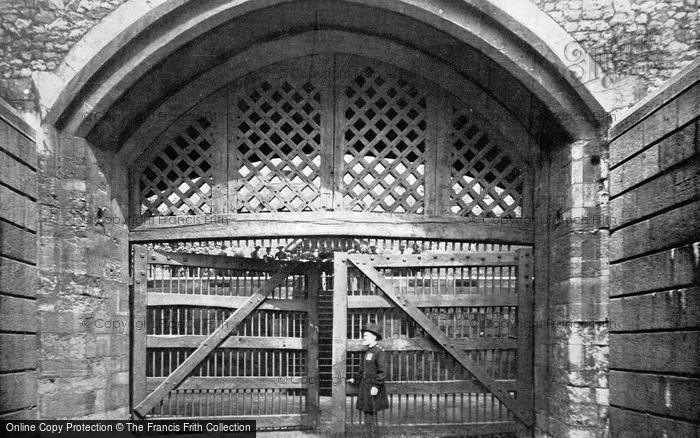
484, 179
277, 148
384, 141
178, 177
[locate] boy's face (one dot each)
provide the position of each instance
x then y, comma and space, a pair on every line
368, 338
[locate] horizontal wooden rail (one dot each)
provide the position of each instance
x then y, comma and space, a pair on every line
446, 430
428, 260
515, 231
426, 344
257, 342
218, 383
466, 300
218, 262
223, 302
262, 421
444, 387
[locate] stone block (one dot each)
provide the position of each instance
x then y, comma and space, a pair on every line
67, 404
18, 314
17, 390
18, 352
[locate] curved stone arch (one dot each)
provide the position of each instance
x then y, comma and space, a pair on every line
267, 54
517, 35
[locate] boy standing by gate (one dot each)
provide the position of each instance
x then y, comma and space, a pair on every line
371, 396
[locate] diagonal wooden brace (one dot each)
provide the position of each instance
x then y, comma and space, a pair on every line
214, 339
516, 406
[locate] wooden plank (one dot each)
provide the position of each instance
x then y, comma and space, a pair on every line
443, 430
672, 352
213, 340
215, 110
433, 121
410, 226
17, 144
626, 145
18, 352
519, 409
671, 268
213, 261
438, 260
18, 390
224, 302
624, 423
257, 342
427, 344
439, 387
18, 209
17, 243
18, 314
17, 278
12, 119
678, 397
525, 341
471, 300
18, 175
327, 89
679, 185
442, 160
683, 85
672, 150
340, 329
669, 229
262, 421
313, 284
203, 383
196, 285
138, 316
666, 310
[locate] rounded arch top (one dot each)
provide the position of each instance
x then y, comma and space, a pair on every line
312, 132
137, 36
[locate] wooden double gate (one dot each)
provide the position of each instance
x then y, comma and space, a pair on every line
238, 337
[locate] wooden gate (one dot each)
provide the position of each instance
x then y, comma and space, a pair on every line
218, 337
458, 333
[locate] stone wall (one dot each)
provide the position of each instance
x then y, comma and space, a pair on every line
639, 43
83, 292
655, 263
18, 258
35, 35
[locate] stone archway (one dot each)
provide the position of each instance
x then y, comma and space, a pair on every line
107, 95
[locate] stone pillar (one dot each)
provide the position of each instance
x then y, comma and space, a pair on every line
576, 305
83, 293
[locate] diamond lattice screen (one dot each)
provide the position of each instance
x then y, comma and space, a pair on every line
484, 180
278, 148
384, 144
178, 178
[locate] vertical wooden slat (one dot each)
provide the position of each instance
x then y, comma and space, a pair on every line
525, 370
328, 144
313, 284
341, 66
340, 291
442, 157
217, 114
432, 172
139, 315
